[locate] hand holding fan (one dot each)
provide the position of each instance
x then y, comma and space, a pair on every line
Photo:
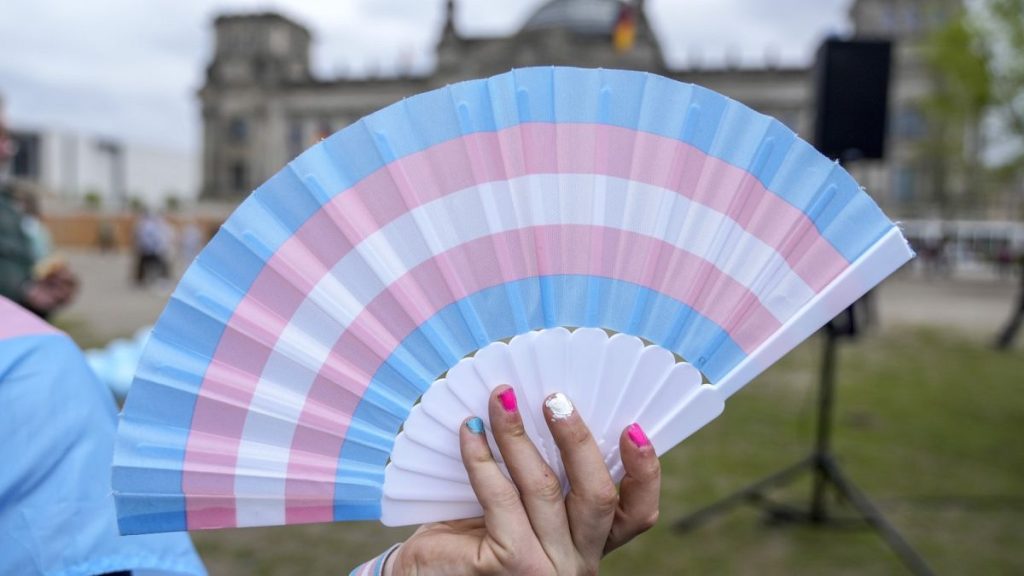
612, 381
274, 385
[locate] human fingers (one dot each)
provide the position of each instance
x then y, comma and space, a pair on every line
640, 489
59, 269
592, 498
539, 487
504, 516
64, 290
54, 279
39, 297
66, 276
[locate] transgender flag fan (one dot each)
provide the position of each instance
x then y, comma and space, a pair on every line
273, 388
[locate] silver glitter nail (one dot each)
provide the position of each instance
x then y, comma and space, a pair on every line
560, 406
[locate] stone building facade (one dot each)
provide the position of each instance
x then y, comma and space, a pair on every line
261, 104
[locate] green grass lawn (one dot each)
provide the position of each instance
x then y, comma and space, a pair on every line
928, 424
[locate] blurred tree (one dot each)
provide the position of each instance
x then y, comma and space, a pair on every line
977, 63
1003, 22
1004, 25
136, 204
172, 203
92, 200
958, 56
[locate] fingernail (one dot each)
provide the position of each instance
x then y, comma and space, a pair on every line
508, 400
475, 425
637, 436
560, 406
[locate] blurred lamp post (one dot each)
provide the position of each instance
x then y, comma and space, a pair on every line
117, 171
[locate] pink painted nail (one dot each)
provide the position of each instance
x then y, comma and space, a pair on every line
508, 400
637, 436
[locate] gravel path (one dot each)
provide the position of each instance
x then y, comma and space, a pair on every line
108, 303
976, 306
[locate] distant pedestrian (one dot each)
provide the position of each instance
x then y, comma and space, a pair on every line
41, 289
153, 237
39, 236
1009, 333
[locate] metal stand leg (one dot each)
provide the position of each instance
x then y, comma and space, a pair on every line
755, 493
826, 473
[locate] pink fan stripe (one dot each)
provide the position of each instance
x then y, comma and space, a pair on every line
474, 159
573, 148
342, 380
319, 434
18, 321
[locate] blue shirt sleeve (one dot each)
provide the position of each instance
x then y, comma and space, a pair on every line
57, 428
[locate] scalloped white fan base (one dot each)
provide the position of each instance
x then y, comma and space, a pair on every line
613, 381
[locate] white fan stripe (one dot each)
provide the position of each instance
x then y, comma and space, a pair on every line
701, 230
278, 399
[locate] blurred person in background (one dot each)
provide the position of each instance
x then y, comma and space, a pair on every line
40, 239
1009, 333
153, 240
57, 512
42, 287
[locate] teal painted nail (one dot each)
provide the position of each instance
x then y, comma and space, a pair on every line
475, 425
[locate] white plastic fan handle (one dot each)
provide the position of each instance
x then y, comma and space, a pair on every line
613, 381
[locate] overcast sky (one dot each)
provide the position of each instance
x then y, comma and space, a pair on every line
130, 69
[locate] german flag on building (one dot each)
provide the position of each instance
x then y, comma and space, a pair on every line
624, 32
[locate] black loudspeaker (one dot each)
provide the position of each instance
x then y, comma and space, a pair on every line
852, 94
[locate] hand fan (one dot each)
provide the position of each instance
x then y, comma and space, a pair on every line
276, 381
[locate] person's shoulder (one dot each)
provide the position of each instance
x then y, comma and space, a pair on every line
39, 363
25, 337
19, 322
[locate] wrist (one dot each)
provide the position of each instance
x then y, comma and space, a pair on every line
390, 561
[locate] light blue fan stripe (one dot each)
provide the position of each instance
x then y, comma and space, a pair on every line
718, 126
348, 156
166, 391
364, 445
169, 377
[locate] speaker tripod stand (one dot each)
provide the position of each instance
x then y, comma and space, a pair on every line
824, 469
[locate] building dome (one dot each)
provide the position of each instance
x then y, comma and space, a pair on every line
586, 17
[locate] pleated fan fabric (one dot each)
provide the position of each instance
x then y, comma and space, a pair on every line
275, 382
